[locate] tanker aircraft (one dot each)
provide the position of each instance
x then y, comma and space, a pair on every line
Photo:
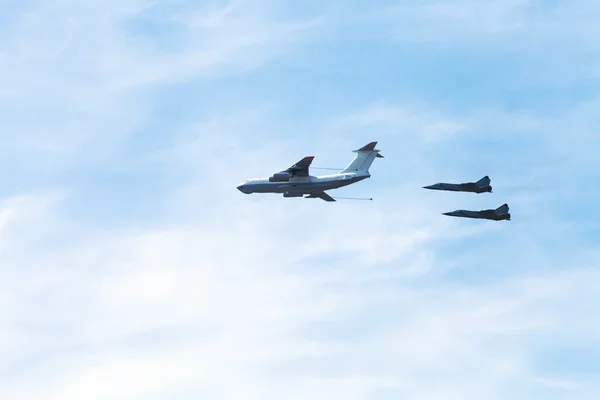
297, 182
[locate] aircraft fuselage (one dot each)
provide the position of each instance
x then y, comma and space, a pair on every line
460, 187
302, 185
483, 214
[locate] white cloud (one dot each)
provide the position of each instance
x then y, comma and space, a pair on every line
185, 311
78, 78
233, 296
468, 22
474, 17
391, 121
281, 307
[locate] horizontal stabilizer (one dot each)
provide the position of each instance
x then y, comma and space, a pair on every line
368, 147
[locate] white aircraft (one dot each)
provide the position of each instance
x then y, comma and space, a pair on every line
297, 182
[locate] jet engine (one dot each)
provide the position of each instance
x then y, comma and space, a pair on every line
283, 176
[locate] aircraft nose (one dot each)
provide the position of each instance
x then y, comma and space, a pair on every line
242, 188
435, 186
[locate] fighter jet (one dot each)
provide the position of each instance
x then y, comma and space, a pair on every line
500, 213
297, 182
481, 186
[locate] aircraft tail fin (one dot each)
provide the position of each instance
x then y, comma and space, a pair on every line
483, 185
363, 159
485, 181
503, 209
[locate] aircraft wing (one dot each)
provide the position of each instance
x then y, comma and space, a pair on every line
301, 167
321, 195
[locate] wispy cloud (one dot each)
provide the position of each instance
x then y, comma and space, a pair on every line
130, 267
85, 73
177, 311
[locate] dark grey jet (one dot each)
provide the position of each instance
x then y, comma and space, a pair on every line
481, 186
498, 214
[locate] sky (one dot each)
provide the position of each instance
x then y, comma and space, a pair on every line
132, 268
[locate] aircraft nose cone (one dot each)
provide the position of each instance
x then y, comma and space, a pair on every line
242, 188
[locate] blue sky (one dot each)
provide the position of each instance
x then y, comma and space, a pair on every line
131, 267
